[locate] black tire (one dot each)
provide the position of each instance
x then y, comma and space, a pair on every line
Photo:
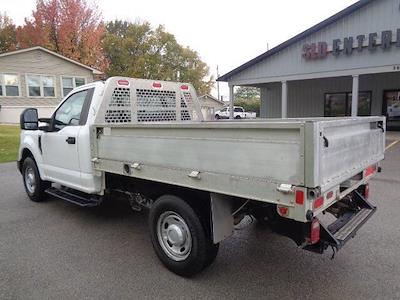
34, 185
161, 219
217, 117
238, 117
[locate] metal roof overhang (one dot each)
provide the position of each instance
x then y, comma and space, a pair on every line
345, 12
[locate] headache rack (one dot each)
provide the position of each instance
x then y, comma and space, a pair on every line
132, 101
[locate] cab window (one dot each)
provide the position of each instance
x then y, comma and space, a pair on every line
74, 110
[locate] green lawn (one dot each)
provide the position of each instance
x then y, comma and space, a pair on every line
9, 141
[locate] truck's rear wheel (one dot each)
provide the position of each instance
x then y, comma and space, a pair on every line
34, 185
179, 238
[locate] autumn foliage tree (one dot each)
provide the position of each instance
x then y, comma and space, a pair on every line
72, 28
7, 34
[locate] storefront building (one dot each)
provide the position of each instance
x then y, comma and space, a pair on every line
347, 65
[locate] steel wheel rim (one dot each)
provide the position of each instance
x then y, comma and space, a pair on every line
174, 236
30, 180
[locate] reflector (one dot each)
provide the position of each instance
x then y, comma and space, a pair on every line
318, 202
283, 210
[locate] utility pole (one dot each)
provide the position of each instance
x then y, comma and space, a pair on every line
218, 84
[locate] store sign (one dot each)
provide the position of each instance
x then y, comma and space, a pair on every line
348, 45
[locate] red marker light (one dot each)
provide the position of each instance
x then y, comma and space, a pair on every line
123, 82
299, 197
184, 87
157, 85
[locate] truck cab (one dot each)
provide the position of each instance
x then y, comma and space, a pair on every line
61, 145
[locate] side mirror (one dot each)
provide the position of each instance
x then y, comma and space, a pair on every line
29, 119
47, 127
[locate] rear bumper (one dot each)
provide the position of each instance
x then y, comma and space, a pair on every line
345, 227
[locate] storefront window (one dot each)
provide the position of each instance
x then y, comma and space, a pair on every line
364, 104
391, 101
335, 105
339, 104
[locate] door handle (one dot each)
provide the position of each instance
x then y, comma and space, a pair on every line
70, 140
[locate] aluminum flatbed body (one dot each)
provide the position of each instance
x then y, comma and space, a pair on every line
247, 159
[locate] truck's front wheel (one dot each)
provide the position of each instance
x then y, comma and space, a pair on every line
34, 185
178, 236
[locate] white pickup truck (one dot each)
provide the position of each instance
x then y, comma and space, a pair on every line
238, 113
145, 141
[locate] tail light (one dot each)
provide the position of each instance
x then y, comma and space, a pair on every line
184, 87
364, 190
314, 232
299, 197
370, 170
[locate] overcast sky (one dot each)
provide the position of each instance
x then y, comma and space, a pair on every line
225, 33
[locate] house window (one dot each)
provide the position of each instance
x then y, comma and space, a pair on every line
48, 86
40, 86
9, 85
69, 83
33, 85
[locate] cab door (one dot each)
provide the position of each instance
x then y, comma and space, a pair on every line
60, 144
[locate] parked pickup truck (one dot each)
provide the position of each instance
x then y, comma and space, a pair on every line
238, 113
145, 141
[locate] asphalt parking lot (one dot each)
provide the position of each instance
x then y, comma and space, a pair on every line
56, 250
